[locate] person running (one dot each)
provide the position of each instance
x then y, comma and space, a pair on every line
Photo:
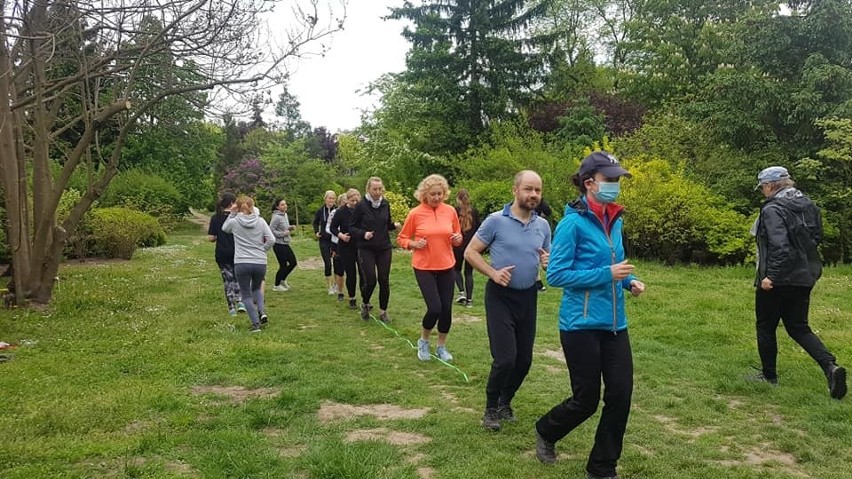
788, 231
225, 252
588, 263
469, 221
281, 228
320, 220
336, 262
346, 247
371, 226
519, 242
431, 229
252, 239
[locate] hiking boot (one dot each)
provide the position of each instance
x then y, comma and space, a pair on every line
255, 328
241, 308
491, 420
353, 305
365, 311
264, 318
836, 376
468, 304
383, 317
506, 414
462, 298
443, 354
423, 350
545, 450
280, 288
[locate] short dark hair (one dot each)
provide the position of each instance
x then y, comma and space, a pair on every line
580, 181
226, 199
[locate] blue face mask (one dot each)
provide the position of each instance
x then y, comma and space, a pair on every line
607, 192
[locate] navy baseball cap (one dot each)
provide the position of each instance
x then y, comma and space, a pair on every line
773, 173
603, 162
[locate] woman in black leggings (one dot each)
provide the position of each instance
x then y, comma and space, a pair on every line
346, 245
371, 226
320, 221
281, 229
469, 221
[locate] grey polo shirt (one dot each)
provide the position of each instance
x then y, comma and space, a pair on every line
513, 242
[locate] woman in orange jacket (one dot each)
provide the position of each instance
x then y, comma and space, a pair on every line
431, 230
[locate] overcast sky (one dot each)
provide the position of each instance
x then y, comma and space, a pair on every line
366, 48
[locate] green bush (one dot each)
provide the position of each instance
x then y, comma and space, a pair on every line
673, 219
148, 193
489, 196
117, 232
398, 205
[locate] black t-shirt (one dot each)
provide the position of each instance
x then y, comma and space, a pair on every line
224, 241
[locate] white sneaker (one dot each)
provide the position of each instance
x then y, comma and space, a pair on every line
287, 284
423, 350
443, 354
280, 287
332, 289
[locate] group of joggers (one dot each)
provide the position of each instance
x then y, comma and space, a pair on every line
585, 257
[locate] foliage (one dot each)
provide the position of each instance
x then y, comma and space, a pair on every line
254, 178
673, 219
148, 193
399, 206
117, 232
834, 180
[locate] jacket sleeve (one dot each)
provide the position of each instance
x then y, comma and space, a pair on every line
561, 270
391, 225
778, 243
403, 239
274, 226
268, 237
317, 220
228, 225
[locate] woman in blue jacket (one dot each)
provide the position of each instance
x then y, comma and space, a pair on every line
587, 261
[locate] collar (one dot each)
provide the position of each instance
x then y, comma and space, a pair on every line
507, 211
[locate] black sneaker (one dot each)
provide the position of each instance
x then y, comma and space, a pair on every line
539, 286
353, 305
462, 298
545, 450
505, 413
760, 377
340, 296
264, 318
255, 328
491, 419
836, 376
589, 475
365, 311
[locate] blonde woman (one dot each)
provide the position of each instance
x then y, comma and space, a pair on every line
336, 263
431, 230
320, 220
252, 239
346, 246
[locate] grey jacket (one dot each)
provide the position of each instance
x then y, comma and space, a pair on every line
280, 226
252, 237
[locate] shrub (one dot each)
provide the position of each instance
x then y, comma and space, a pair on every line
148, 193
490, 196
117, 232
398, 205
673, 219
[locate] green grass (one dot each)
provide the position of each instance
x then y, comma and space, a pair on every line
105, 382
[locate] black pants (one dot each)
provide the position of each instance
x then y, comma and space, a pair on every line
325, 252
463, 283
375, 267
510, 315
591, 355
437, 290
349, 258
286, 262
789, 304
336, 263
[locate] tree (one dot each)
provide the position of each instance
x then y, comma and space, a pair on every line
78, 66
288, 109
471, 62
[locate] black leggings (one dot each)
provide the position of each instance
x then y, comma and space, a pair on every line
325, 252
286, 262
463, 283
437, 290
349, 258
375, 268
336, 263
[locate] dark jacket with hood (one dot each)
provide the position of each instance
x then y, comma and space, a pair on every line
789, 229
378, 220
320, 220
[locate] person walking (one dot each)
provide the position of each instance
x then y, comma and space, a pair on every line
519, 242
588, 263
225, 252
788, 232
281, 229
469, 222
320, 220
431, 230
346, 245
371, 226
336, 262
252, 239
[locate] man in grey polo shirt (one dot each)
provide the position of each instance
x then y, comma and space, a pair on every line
518, 241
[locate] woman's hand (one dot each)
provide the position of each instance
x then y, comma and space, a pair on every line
417, 244
621, 270
637, 287
456, 239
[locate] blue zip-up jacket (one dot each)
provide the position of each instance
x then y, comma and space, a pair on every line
580, 260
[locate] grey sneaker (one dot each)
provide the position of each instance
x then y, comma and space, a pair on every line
506, 414
423, 350
468, 304
264, 318
255, 328
365, 311
383, 317
545, 450
443, 354
836, 376
491, 420
353, 305
241, 308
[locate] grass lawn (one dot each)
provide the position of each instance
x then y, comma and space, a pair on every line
136, 370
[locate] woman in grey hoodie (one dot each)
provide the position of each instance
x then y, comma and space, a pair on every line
281, 228
252, 239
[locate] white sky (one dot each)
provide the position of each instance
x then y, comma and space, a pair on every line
367, 48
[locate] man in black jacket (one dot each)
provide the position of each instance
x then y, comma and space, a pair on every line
788, 231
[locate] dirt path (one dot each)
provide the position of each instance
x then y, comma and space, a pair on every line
200, 219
